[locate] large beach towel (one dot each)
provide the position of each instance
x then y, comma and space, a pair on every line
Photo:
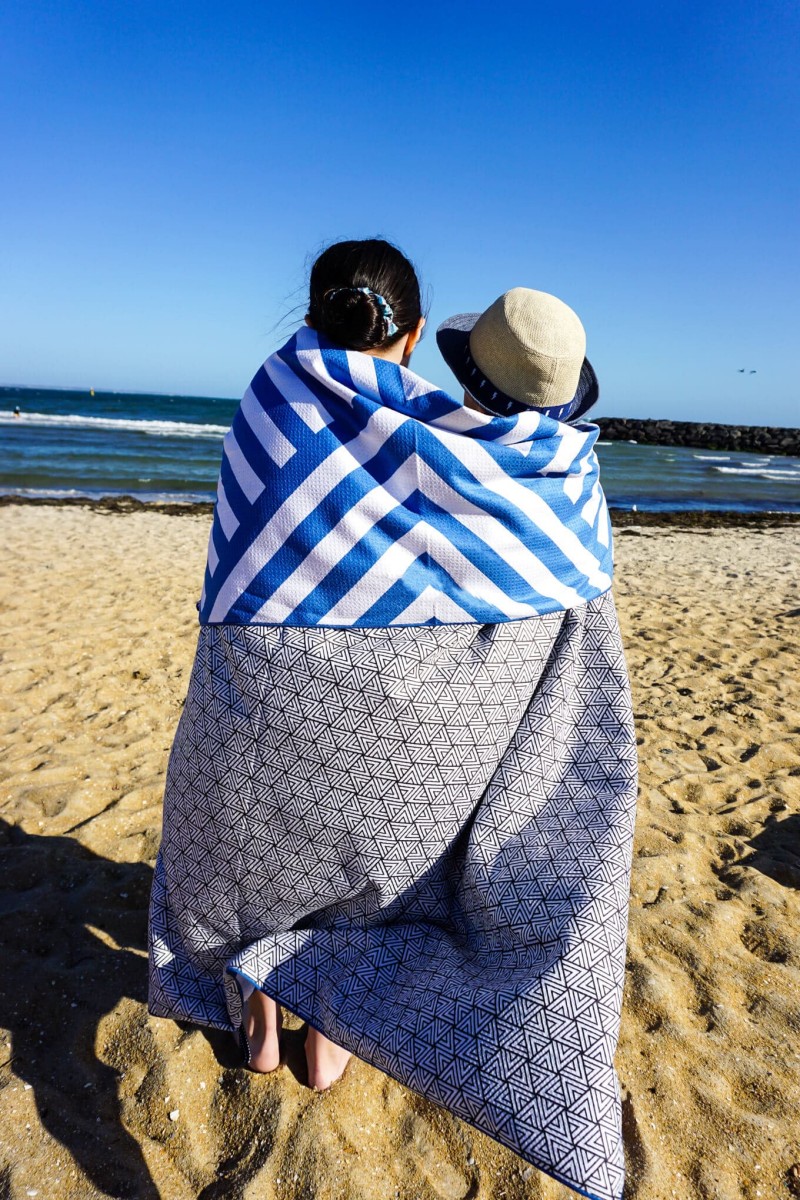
400, 797
354, 493
417, 839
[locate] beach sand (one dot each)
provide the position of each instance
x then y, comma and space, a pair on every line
97, 633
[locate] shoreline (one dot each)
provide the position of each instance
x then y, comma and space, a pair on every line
621, 518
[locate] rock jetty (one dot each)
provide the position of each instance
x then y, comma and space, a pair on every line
755, 439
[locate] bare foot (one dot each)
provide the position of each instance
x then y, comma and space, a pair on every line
326, 1061
262, 1027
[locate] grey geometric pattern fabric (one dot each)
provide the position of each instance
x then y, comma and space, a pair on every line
418, 839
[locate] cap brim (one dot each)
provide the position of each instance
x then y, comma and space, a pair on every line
452, 338
588, 392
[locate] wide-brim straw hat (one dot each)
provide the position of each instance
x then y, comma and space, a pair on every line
527, 350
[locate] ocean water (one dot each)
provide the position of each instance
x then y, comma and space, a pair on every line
66, 443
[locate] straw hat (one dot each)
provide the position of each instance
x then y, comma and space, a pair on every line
527, 350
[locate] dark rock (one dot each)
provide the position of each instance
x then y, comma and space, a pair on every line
759, 439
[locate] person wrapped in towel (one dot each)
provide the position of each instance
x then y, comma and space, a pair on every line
400, 798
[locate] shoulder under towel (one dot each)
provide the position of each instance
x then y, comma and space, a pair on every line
353, 493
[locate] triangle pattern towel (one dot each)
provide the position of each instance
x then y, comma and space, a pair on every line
418, 839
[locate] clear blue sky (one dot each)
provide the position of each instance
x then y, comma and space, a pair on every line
169, 168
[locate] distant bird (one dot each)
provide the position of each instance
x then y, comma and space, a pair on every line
753, 372
741, 370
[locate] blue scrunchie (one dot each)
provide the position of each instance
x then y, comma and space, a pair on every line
387, 311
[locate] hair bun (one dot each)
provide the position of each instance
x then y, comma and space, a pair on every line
353, 317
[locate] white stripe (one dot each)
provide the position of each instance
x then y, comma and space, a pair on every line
432, 603
276, 444
592, 505
573, 482
604, 526
243, 473
310, 359
528, 423
518, 438
460, 419
392, 565
483, 466
569, 447
509, 437
414, 386
227, 517
375, 582
212, 558
300, 398
362, 370
331, 549
296, 507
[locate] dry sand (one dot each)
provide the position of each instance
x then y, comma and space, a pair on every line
98, 1099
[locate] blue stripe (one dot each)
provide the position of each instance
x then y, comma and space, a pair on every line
348, 421
338, 366
422, 573
390, 385
501, 426
357, 561
236, 497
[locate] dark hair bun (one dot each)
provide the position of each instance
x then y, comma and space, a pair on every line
356, 319
353, 318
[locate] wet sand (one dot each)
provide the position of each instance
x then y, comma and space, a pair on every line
97, 632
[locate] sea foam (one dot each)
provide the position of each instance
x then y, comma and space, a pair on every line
153, 428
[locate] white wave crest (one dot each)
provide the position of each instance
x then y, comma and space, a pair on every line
186, 429
43, 493
761, 472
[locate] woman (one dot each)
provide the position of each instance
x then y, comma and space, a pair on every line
400, 797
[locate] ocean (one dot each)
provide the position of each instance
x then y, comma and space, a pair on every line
157, 448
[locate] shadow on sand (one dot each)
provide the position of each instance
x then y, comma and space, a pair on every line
59, 980
776, 851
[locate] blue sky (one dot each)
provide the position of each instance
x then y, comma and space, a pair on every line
171, 168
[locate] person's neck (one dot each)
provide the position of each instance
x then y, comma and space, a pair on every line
392, 353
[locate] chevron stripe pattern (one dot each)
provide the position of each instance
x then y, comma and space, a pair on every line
419, 840
354, 494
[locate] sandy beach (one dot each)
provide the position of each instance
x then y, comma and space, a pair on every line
97, 1099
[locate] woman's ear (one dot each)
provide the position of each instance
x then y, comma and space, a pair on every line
412, 340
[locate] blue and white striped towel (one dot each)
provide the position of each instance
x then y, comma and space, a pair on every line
354, 493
